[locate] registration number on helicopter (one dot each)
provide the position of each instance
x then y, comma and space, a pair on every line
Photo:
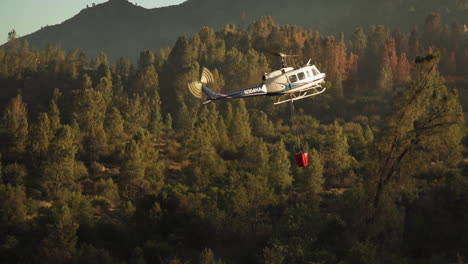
253, 90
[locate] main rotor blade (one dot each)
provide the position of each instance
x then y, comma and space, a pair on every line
281, 54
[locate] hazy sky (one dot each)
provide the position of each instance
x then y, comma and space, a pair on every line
27, 16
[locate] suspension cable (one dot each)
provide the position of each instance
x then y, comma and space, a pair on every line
298, 147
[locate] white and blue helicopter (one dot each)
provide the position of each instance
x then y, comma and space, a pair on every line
296, 83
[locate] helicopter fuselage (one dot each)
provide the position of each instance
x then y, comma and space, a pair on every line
290, 80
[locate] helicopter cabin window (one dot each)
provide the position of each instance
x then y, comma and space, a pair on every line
308, 73
301, 76
292, 78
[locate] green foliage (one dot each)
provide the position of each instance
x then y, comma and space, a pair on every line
89, 108
88, 254
273, 256
359, 42
335, 153
54, 114
208, 257
147, 82
239, 128
114, 128
59, 245
261, 125
58, 169
14, 174
279, 173
12, 204
132, 173
40, 136
297, 234
426, 114
362, 253
101, 176
384, 81
15, 122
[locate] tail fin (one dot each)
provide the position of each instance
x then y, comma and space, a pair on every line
197, 88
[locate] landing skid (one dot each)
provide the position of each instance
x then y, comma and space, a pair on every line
302, 94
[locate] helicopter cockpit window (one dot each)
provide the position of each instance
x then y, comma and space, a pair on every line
308, 73
292, 78
301, 76
315, 71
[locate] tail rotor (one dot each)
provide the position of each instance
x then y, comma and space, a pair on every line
196, 87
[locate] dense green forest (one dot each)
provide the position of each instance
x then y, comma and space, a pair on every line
117, 163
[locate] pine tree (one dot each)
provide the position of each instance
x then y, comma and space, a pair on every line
255, 158
401, 41
12, 204
89, 108
262, 125
96, 143
240, 129
206, 165
40, 136
403, 70
331, 56
390, 55
12, 36
136, 114
59, 167
376, 45
359, 42
16, 125
334, 151
337, 85
208, 257
279, 174
14, 174
425, 128
313, 174
147, 81
54, 116
114, 127
132, 172
59, 245
146, 60
342, 58
353, 66
385, 80
102, 65
105, 87
122, 68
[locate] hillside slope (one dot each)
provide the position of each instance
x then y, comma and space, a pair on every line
120, 28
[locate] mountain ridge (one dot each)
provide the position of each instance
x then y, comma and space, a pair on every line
122, 29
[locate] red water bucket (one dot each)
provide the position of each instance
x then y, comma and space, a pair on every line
302, 159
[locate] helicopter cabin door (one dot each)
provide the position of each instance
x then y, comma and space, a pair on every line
291, 80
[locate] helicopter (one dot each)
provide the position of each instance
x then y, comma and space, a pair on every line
294, 83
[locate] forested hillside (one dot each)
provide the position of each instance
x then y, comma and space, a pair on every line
119, 28
117, 163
